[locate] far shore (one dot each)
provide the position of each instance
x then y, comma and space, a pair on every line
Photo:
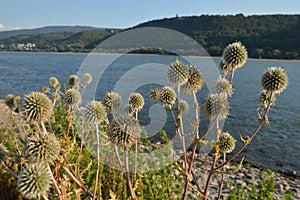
144, 54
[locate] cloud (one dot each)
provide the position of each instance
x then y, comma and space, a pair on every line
1, 26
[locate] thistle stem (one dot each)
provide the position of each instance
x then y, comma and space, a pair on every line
98, 161
132, 193
250, 137
9, 170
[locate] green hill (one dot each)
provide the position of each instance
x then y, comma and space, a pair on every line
265, 36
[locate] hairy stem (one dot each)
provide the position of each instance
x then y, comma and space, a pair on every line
132, 193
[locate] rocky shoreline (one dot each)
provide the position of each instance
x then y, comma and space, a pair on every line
247, 173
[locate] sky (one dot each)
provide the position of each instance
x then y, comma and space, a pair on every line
21, 14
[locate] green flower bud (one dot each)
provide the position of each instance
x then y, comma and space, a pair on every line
87, 78
167, 96
226, 142
177, 73
224, 87
112, 102
72, 97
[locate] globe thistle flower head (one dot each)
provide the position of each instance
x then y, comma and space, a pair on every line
226, 142
53, 81
9, 101
224, 87
195, 80
177, 73
216, 106
183, 106
74, 82
167, 96
274, 80
95, 112
124, 131
72, 97
37, 107
136, 101
87, 78
235, 55
224, 67
112, 102
3, 153
155, 94
42, 147
265, 98
34, 181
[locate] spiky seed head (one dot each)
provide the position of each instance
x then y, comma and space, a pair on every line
42, 147
183, 106
224, 87
74, 82
3, 153
177, 73
235, 55
224, 67
112, 102
72, 97
37, 107
195, 80
136, 101
154, 94
34, 181
264, 99
53, 81
274, 80
226, 142
216, 106
87, 78
124, 131
167, 96
95, 112
9, 101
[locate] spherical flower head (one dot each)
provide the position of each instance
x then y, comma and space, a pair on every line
34, 181
155, 94
9, 101
37, 107
42, 147
87, 78
177, 73
216, 106
124, 131
224, 87
167, 96
195, 80
53, 81
95, 112
265, 98
274, 80
3, 153
226, 142
112, 102
136, 101
183, 106
74, 82
72, 97
235, 55
224, 67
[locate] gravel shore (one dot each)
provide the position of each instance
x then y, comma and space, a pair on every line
247, 173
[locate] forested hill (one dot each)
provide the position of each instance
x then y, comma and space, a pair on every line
265, 36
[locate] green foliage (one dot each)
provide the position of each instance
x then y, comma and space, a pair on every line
264, 190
